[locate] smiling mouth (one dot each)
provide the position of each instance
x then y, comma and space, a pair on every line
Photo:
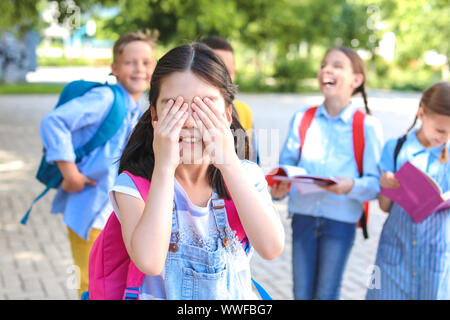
329, 82
139, 78
190, 140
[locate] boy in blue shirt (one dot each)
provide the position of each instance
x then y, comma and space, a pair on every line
83, 194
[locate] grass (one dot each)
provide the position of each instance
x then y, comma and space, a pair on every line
31, 88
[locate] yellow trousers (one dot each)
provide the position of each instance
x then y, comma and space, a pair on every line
80, 252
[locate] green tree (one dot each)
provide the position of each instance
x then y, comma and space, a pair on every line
19, 16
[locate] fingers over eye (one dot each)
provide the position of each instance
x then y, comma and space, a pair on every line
210, 110
167, 107
202, 116
175, 120
220, 116
172, 107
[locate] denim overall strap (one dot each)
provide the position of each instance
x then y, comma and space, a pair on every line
220, 215
218, 207
174, 236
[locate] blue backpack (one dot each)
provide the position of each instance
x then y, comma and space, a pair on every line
49, 174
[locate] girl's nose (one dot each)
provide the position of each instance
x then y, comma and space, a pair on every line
190, 121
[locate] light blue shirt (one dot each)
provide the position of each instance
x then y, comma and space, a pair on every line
72, 125
328, 151
414, 258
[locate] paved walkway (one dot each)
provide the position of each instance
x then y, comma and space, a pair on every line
35, 260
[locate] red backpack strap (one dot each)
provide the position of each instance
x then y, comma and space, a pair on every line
305, 123
235, 223
358, 150
358, 139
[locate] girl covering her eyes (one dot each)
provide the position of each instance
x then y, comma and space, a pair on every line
187, 144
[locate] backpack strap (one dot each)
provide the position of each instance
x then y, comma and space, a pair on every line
236, 225
74, 89
56, 180
358, 150
134, 281
398, 146
358, 139
109, 126
134, 275
305, 123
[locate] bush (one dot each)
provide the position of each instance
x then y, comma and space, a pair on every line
289, 73
393, 77
76, 62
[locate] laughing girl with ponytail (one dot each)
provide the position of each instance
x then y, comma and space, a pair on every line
324, 223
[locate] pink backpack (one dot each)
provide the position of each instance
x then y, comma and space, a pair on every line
112, 274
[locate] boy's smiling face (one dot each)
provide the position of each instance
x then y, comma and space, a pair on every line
134, 67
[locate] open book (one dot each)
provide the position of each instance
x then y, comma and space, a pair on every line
419, 195
305, 183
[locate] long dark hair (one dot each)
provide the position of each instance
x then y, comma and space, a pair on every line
138, 156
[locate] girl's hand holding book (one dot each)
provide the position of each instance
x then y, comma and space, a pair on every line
344, 186
389, 181
280, 189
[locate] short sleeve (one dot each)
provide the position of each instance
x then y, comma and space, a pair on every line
125, 185
256, 175
387, 156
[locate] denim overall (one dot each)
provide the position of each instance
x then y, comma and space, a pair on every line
192, 272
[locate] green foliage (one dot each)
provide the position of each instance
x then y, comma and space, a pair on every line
290, 72
269, 30
31, 88
63, 62
19, 15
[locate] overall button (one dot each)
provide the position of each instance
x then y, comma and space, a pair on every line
225, 242
173, 247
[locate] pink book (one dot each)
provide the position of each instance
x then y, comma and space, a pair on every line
419, 195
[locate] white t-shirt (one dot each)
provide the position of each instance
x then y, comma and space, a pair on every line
196, 224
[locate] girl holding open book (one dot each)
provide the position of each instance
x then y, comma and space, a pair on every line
413, 259
324, 223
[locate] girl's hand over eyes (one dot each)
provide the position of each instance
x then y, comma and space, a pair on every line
216, 132
167, 133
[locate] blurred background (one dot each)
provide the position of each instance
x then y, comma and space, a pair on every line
278, 44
